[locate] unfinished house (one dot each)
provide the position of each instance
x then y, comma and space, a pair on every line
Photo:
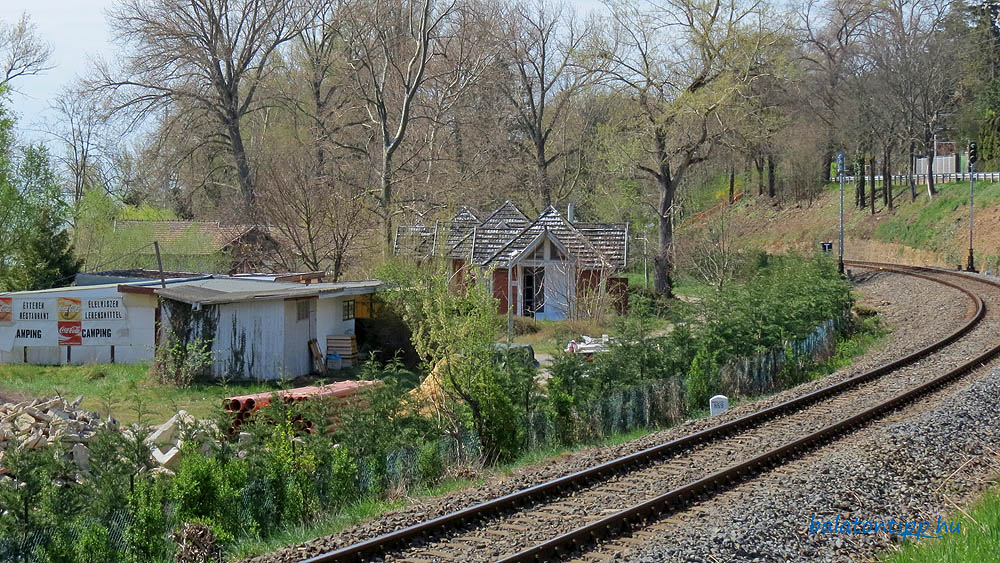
547, 268
203, 246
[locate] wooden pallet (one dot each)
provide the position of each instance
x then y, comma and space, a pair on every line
345, 346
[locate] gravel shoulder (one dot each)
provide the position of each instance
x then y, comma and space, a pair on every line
918, 311
912, 466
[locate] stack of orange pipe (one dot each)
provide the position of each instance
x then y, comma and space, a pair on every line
243, 407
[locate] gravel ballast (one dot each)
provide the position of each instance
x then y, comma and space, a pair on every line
919, 311
911, 467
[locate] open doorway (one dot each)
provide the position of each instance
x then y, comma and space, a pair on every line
534, 291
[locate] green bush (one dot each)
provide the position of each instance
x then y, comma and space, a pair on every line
146, 532
208, 488
430, 464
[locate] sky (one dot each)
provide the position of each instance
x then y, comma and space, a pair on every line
76, 30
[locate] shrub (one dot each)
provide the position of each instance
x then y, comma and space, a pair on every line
181, 364
430, 463
147, 529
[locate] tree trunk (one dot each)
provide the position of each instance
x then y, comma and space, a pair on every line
385, 202
871, 177
242, 166
770, 176
542, 170
909, 175
663, 262
759, 164
732, 184
861, 182
887, 179
930, 177
827, 161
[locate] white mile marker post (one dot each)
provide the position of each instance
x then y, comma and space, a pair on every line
718, 405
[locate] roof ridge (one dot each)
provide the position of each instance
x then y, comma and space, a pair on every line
549, 213
506, 203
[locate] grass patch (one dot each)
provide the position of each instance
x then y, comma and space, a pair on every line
869, 333
979, 540
121, 390
930, 224
551, 337
328, 525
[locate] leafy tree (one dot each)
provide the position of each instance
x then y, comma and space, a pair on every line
454, 334
35, 249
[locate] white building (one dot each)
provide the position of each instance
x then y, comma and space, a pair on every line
261, 329
258, 328
79, 325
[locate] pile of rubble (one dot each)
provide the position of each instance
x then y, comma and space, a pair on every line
38, 423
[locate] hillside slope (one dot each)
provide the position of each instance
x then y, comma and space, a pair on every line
924, 231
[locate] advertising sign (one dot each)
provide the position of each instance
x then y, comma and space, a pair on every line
6, 310
64, 321
69, 308
70, 333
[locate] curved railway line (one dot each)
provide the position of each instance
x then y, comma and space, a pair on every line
566, 515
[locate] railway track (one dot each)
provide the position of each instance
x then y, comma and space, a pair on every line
559, 517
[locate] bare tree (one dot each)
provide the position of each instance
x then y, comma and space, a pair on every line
22, 53
210, 55
831, 33
541, 48
913, 59
684, 64
391, 43
80, 126
317, 219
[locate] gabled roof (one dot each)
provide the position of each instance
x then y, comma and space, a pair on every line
417, 241
188, 237
461, 226
610, 238
507, 232
506, 216
554, 224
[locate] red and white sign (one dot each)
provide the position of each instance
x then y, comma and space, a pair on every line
6, 309
70, 333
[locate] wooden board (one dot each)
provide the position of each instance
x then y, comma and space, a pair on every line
319, 360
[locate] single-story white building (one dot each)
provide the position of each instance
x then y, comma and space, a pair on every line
261, 329
258, 328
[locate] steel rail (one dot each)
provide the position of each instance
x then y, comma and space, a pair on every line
373, 547
618, 523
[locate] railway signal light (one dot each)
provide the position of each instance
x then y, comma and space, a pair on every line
973, 156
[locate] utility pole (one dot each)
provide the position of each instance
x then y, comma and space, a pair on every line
840, 172
973, 156
159, 263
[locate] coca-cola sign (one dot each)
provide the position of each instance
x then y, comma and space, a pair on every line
70, 333
69, 308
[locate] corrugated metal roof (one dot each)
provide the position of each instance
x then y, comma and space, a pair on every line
233, 290
72, 288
